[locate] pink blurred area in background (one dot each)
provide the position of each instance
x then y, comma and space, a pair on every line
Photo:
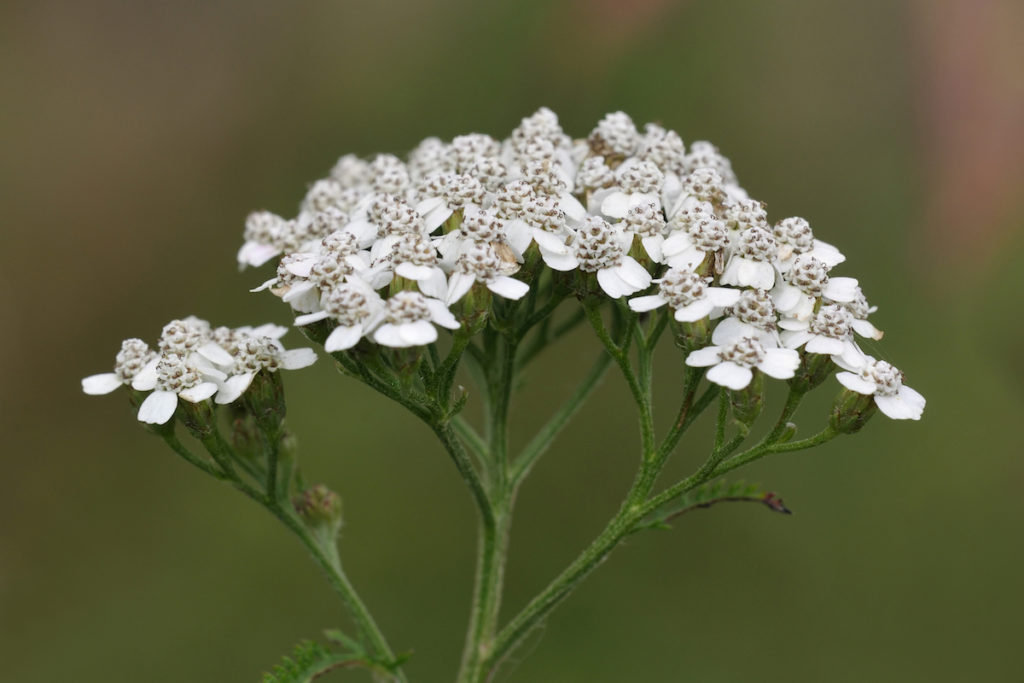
968, 57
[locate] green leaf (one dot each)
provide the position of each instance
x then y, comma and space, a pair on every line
711, 494
309, 660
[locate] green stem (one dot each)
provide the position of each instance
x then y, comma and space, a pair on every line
470, 437
325, 557
688, 412
539, 607
621, 357
193, 459
763, 449
792, 403
494, 526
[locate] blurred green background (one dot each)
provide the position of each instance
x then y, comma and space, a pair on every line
136, 137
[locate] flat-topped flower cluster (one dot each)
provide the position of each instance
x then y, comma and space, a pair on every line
386, 248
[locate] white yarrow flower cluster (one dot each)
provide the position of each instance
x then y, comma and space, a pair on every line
195, 362
386, 249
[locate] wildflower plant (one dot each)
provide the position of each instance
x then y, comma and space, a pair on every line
477, 255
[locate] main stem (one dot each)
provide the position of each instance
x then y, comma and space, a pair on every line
494, 528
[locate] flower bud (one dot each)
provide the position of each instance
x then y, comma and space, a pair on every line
198, 418
748, 402
691, 336
787, 433
814, 369
245, 436
851, 411
320, 509
265, 400
473, 308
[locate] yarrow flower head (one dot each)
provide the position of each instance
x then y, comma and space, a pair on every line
624, 207
470, 250
733, 366
196, 361
881, 380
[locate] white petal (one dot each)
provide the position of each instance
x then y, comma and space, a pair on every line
428, 205
633, 274
199, 392
436, 217
897, 408
571, 207
364, 231
730, 276
671, 189
786, 297
440, 314
652, 245
641, 304
866, 329
550, 241
676, 243
723, 296
612, 283
704, 357
695, 311
794, 339
856, 383
158, 407
311, 318
388, 335
562, 262
508, 287
826, 346
269, 330
297, 290
417, 333
266, 285
213, 352
852, 358
233, 388
293, 359
436, 285
615, 205
146, 379
762, 275
256, 255
730, 375
302, 266
793, 324
841, 289
731, 329
96, 385
343, 337
827, 254
519, 235
912, 398
206, 368
780, 363
413, 272
458, 284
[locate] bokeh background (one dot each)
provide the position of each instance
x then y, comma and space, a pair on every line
136, 137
